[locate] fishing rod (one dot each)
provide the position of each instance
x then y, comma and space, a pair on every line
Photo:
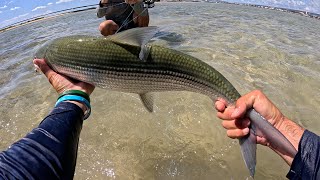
146, 4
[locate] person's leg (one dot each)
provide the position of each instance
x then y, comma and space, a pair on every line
141, 21
108, 27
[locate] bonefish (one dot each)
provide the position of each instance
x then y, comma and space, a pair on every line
124, 62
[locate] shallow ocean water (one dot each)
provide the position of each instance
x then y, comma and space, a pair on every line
253, 48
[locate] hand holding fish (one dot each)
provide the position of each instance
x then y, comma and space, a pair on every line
237, 124
62, 83
59, 82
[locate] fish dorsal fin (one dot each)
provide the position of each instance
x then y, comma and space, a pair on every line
136, 37
147, 100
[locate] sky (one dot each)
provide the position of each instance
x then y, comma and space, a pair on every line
12, 11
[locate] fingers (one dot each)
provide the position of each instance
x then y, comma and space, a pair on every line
237, 133
226, 114
60, 82
235, 120
236, 128
243, 104
236, 124
255, 99
47, 71
52, 76
232, 117
221, 104
262, 141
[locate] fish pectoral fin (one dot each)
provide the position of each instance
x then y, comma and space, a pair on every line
144, 53
147, 100
136, 37
248, 145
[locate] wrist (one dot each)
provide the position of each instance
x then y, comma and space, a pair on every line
292, 131
80, 105
78, 98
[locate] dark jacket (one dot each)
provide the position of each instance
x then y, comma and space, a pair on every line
306, 163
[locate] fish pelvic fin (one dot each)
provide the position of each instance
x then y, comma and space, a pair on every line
248, 145
147, 101
136, 37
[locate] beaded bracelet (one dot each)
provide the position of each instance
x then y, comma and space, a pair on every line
78, 99
75, 92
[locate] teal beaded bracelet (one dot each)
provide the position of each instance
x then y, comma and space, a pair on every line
78, 99
75, 92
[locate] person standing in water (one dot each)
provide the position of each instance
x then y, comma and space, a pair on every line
121, 15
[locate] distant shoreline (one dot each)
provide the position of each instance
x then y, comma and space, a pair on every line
90, 7
47, 16
303, 13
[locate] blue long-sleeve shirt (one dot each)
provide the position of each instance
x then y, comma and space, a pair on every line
306, 163
50, 150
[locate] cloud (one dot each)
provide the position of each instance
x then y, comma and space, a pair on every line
3, 7
63, 1
39, 7
0, 12
12, 9
50, 3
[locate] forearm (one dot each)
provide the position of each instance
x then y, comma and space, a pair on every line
50, 150
293, 132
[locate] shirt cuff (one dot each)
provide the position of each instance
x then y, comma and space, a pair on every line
306, 161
